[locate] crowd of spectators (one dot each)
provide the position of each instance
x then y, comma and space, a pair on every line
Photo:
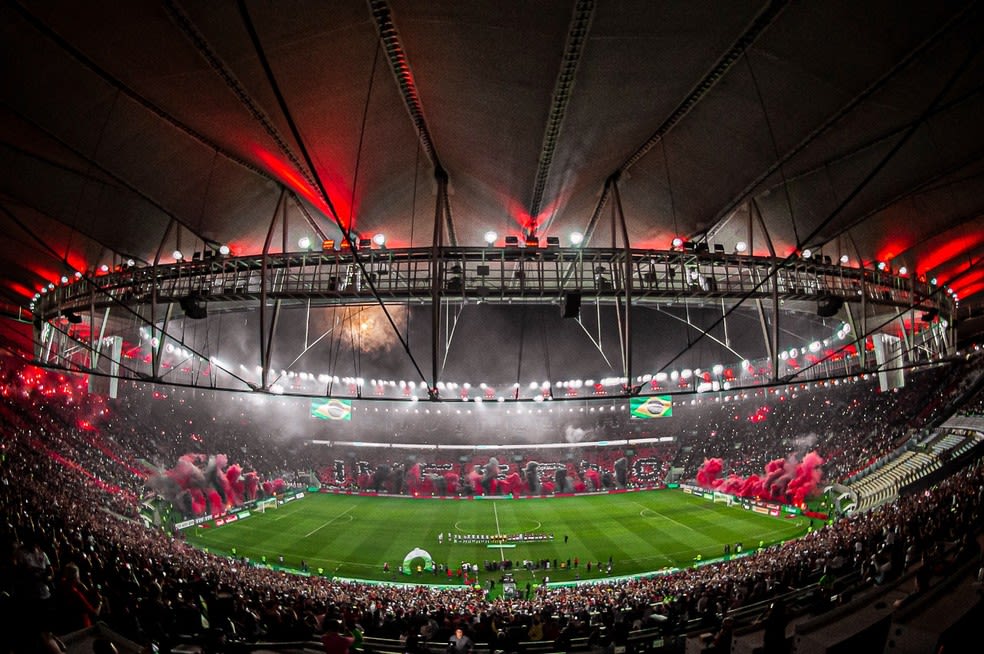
74, 552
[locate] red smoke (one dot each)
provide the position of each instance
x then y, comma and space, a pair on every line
199, 483
252, 484
215, 505
475, 480
413, 479
593, 477
784, 480
512, 484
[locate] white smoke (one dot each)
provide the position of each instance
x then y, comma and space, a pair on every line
574, 434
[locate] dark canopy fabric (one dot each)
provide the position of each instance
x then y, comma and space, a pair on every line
854, 128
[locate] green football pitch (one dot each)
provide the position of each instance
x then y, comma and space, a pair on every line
352, 536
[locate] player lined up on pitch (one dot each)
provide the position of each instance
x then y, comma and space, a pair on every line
483, 539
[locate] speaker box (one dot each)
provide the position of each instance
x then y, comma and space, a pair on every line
829, 305
572, 304
194, 307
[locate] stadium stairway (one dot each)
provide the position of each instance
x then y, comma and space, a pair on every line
887, 479
883, 485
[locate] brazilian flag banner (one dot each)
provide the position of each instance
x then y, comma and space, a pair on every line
652, 406
331, 408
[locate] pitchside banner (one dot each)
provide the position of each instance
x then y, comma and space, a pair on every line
652, 406
331, 409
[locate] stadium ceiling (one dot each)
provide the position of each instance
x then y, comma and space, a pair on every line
129, 131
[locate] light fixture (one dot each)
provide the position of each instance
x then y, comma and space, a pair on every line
379, 239
104, 268
882, 265
844, 259
677, 243
576, 238
903, 271
178, 256
807, 253
934, 281
491, 237
130, 263
78, 274
304, 242
741, 246
224, 250
64, 279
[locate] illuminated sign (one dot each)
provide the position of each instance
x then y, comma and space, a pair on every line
653, 406
331, 409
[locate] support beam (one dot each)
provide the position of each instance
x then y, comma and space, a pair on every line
159, 350
264, 275
626, 290
774, 336
441, 178
769, 352
399, 63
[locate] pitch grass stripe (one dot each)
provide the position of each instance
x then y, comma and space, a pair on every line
498, 532
314, 531
384, 529
666, 517
286, 512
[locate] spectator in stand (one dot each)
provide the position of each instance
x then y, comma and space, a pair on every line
336, 640
460, 643
77, 606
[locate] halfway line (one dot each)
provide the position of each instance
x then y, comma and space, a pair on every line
330, 521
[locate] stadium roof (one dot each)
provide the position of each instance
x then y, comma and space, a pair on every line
853, 128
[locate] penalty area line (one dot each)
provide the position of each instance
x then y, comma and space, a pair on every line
317, 529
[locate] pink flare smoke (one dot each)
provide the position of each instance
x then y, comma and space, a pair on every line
475, 480
215, 505
414, 481
784, 480
708, 473
252, 485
